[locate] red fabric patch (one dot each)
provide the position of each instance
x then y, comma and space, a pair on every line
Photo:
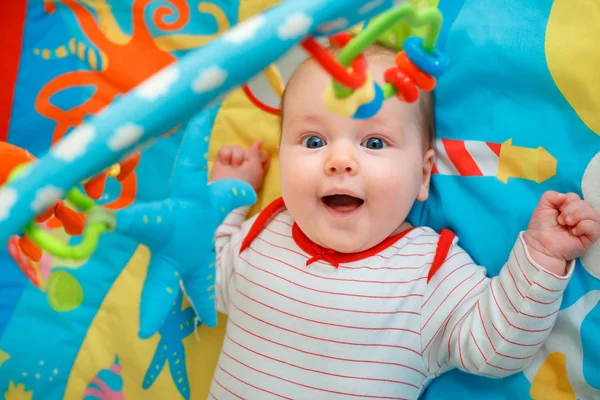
441, 253
11, 40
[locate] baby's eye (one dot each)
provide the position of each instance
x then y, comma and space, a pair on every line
313, 142
374, 143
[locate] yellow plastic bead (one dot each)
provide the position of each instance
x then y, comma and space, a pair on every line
114, 170
348, 105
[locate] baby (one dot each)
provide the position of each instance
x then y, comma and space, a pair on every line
332, 294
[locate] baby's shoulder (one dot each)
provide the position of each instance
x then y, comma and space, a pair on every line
420, 236
417, 246
425, 243
441, 250
427, 235
423, 232
280, 221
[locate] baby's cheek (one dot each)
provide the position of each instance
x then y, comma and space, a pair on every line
297, 180
402, 184
401, 175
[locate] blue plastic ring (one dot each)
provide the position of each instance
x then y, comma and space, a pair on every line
434, 65
371, 109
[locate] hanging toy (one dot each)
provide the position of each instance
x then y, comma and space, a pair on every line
14, 159
353, 92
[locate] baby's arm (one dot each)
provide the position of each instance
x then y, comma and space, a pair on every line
248, 165
488, 326
228, 239
495, 326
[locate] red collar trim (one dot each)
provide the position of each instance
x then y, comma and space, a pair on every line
314, 250
333, 257
263, 218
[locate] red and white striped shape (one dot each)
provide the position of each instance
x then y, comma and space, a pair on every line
466, 158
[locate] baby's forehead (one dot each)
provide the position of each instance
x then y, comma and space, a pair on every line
307, 69
378, 60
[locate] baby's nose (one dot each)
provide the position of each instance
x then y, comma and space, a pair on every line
341, 162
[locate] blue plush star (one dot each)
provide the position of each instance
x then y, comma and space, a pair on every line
178, 326
180, 230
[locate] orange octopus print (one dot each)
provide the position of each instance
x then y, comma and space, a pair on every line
126, 61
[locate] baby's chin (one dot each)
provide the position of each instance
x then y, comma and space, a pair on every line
353, 241
348, 245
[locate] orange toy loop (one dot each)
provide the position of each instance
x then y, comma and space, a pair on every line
25, 264
72, 221
128, 166
352, 80
406, 89
45, 215
424, 81
30, 249
95, 186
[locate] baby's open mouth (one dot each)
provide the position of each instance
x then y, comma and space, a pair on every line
342, 202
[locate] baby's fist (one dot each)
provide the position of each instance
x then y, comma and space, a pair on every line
580, 218
249, 165
562, 227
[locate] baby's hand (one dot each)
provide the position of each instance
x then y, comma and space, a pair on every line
562, 228
249, 165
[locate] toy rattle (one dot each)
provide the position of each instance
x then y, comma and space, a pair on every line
353, 92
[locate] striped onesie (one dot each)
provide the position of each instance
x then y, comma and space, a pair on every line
309, 323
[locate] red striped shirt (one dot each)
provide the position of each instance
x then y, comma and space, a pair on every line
373, 327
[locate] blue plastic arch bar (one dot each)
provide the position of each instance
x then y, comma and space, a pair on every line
171, 97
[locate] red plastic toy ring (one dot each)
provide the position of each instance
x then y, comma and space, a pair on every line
405, 87
352, 80
424, 81
340, 39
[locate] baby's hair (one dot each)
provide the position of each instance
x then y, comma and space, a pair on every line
426, 100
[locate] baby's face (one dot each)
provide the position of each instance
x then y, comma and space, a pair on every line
347, 183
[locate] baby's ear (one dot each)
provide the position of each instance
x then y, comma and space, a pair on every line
428, 160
